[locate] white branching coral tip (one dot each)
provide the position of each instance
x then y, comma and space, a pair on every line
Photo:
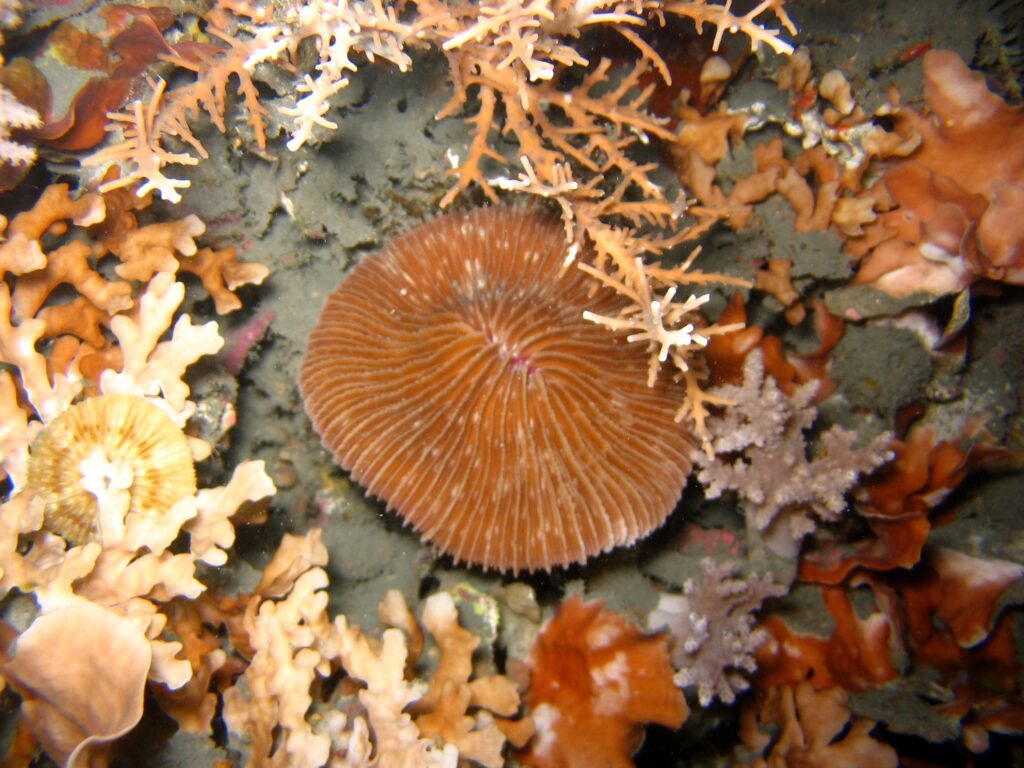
653, 323
309, 111
562, 182
668, 338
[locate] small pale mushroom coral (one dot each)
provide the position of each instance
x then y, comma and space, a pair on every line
595, 681
104, 449
81, 672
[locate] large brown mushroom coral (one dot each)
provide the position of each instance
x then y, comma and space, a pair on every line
454, 376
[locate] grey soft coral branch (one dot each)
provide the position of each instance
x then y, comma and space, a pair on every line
760, 453
712, 636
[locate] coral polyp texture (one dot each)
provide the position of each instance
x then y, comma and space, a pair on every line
109, 446
703, 263
454, 375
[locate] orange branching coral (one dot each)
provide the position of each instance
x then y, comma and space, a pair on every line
284, 636
238, 37
513, 55
61, 239
109, 486
507, 56
673, 331
595, 679
141, 153
143, 126
197, 625
796, 725
701, 142
221, 274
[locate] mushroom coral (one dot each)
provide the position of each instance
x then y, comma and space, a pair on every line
454, 375
113, 444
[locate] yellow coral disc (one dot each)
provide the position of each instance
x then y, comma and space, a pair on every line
116, 442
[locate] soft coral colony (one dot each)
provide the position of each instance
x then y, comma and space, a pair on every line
551, 356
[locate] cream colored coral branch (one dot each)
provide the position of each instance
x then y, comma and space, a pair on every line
18, 348
152, 367
140, 154
664, 323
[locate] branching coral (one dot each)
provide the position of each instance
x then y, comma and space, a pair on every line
711, 629
398, 721
669, 329
759, 451
443, 711
515, 53
96, 502
511, 53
